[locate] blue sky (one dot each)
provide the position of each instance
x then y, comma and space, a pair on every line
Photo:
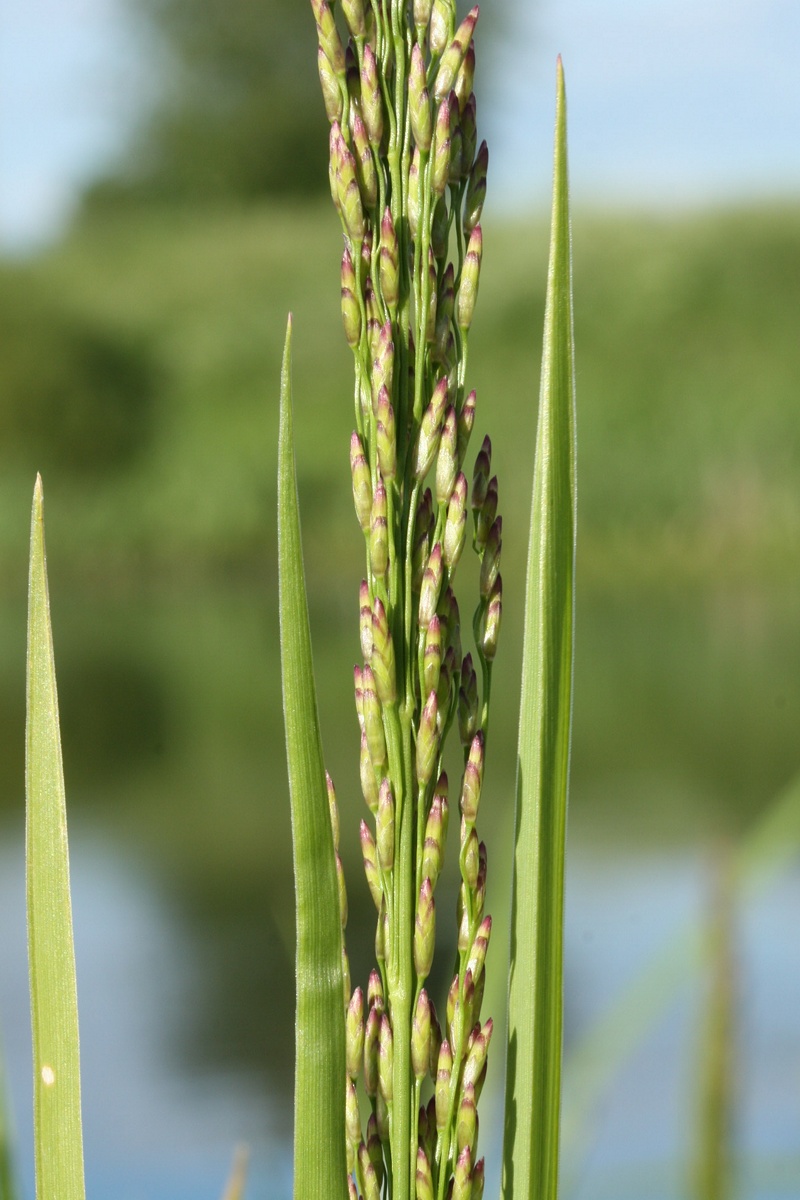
672, 102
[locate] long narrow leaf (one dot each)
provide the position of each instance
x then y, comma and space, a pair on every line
8, 1188
54, 1001
320, 1167
533, 1068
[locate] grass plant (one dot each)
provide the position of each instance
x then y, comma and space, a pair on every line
409, 182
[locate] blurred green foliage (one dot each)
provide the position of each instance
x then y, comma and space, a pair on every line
153, 342
235, 111
75, 395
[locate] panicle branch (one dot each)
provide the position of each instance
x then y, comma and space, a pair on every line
408, 180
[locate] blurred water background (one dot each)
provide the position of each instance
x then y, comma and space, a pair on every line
160, 211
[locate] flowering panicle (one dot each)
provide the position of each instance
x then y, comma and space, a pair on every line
408, 179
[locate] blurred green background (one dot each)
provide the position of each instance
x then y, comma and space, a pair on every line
139, 360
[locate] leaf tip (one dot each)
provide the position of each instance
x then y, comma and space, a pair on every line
560, 87
38, 495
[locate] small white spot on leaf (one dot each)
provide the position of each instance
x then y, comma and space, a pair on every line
48, 1075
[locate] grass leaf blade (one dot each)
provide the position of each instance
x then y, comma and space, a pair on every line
54, 1001
320, 1167
533, 1069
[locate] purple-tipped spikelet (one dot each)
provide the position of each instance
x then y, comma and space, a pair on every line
454, 55
409, 183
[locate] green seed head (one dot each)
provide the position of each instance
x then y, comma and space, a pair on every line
384, 827
473, 780
455, 530
476, 189
331, 87
365, 163
424, 931
490, 627
462, 1176
369, 1179
436, 1045
379, 534
470, 277
468, 707
351, 311
424, 1179
443, 690
386, 1059
373, 722
454, 55
354, 1034
480, 889
423, 524
444, 1071
445, 307
484, 518
370, 856
478, 1180
432, 657
469, 855
348, 191
382, 1118
414, 194
385, 436
480, 478
422, 13
328, 34
441, 144
477, 1053
467, 1121
462, 914
469, 138
442, 25
371, 99
439, 234
435, 832
456, 149
374, 1147
352, 1119
446, 466
465, 78
383, 362
383, 665
427, 741
490, 563
365, 626
477, 955
431, 587
383, 945
369, 784
389, 262
466, 421
375, 998
354, 15
419, 103
362, 484
421, 1037
430, 430
371, 1038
